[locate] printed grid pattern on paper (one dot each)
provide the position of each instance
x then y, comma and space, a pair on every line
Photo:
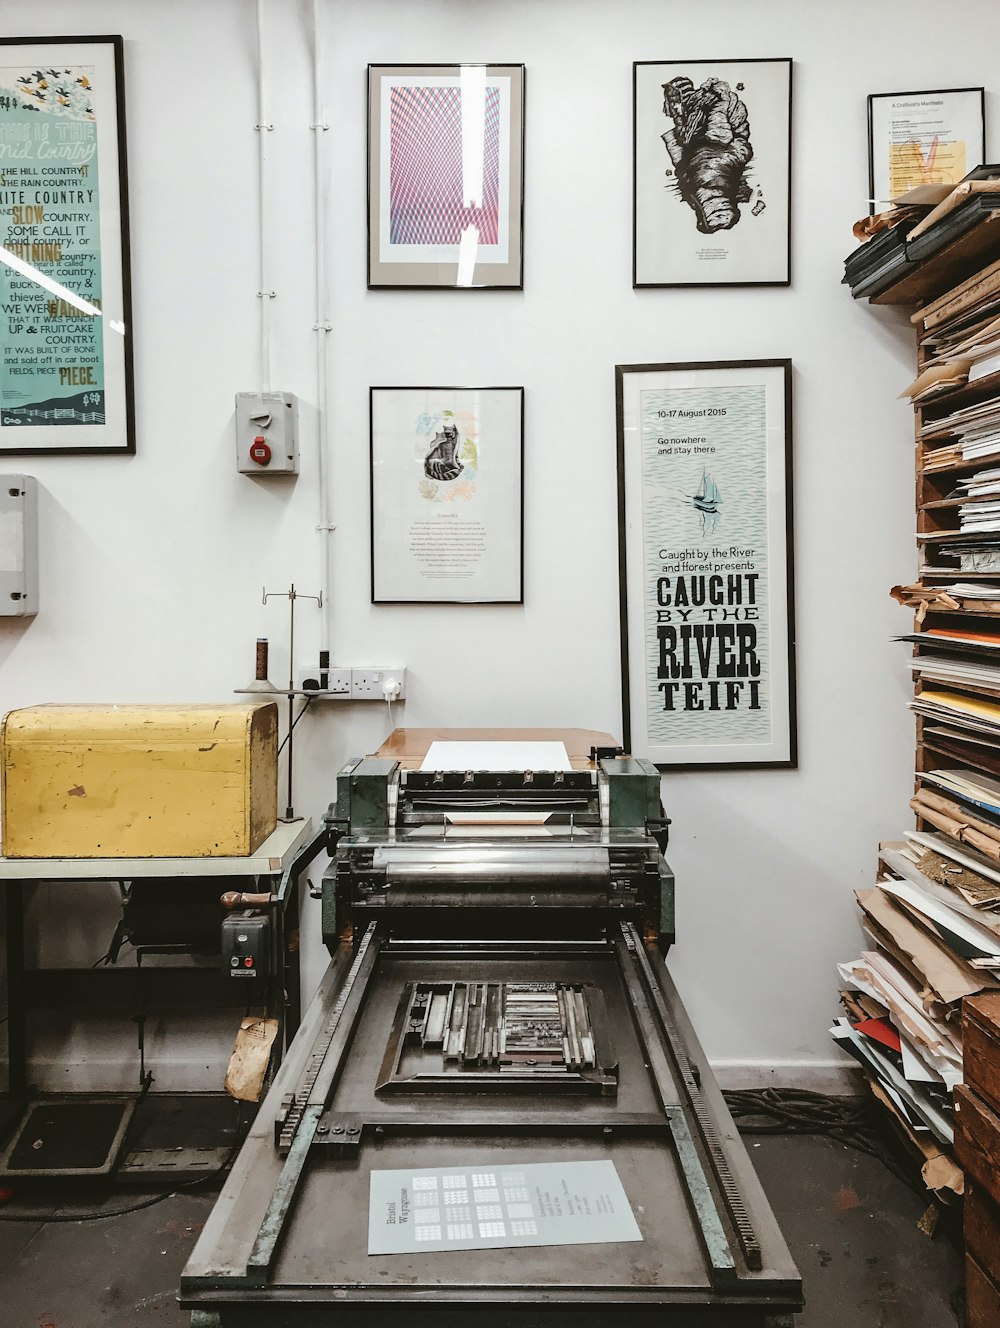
458, 1212
425, 167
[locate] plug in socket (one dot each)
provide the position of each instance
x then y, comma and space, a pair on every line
368, 684
338, 684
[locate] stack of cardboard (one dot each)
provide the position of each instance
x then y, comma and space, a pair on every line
933, 921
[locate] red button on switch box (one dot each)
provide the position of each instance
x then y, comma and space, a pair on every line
248, 962
260, 452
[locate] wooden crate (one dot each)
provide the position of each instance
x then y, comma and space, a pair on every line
982, 1297
138, 781
977, 1141
981, 1221
981, 1047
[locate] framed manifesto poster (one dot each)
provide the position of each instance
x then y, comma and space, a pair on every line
65, 314
919, 138
447, 495
705, 563
445, 175
712, 172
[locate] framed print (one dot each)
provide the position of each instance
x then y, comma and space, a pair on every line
445, 175
447, 495
711, 172
65, 309
919, 138
705, 563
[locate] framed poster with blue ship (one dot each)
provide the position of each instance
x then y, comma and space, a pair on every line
65, 315
705, 563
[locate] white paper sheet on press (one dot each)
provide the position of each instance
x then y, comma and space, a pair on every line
496, 756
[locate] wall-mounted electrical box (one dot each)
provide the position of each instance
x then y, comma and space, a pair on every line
267, 433
372, 683
18, 546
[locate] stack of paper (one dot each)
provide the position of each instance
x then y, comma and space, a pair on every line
977, 517
958, 672
934, 927
964, 350
975, 714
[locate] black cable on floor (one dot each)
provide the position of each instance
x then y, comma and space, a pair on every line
847, 1120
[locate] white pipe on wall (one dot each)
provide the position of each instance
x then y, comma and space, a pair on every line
264, 292
322, 327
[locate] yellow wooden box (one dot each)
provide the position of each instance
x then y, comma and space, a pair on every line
84, 781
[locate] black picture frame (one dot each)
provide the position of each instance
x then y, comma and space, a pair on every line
447, 513
411, 239
680, 426
67, 80
960, 170
693, 228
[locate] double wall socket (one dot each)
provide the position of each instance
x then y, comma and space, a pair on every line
361, 684
378, 684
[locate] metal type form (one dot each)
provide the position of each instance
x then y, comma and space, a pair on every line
497, 998
462, 1036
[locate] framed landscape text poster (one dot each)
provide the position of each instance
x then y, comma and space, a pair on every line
445, 175
447, 495
65, 316
917, 138
711, 172
705, 563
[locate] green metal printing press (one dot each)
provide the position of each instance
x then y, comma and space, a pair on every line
495, 1101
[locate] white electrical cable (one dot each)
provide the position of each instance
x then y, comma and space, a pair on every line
322, 328
264, 292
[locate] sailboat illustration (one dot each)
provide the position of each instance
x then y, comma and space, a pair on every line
706, 501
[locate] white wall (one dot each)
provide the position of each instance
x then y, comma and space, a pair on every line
152, 566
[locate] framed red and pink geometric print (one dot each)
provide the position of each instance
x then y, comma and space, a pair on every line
445, 176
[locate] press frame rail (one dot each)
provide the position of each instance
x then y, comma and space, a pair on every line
699, 1151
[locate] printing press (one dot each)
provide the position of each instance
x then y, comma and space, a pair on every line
497, 1031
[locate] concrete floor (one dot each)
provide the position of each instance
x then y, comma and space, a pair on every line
850, 1224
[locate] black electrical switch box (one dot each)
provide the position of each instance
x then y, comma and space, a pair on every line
246, 946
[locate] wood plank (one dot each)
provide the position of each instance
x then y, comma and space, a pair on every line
982, 1297
981, 1047
977, 1141
982, 1230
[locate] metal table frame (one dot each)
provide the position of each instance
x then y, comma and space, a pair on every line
276, 867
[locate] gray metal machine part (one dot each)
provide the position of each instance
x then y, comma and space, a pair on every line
469, 1020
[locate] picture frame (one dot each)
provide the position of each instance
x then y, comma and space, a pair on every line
447, 495
915, 138
711, 172
706, 563
66, 378
445, 200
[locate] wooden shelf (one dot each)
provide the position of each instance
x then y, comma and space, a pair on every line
959, 468
926, 280
955, 574
967, 609
966, 395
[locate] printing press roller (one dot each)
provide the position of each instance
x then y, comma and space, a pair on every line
497, 1003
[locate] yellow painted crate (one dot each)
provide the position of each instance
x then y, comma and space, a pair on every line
88, 781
